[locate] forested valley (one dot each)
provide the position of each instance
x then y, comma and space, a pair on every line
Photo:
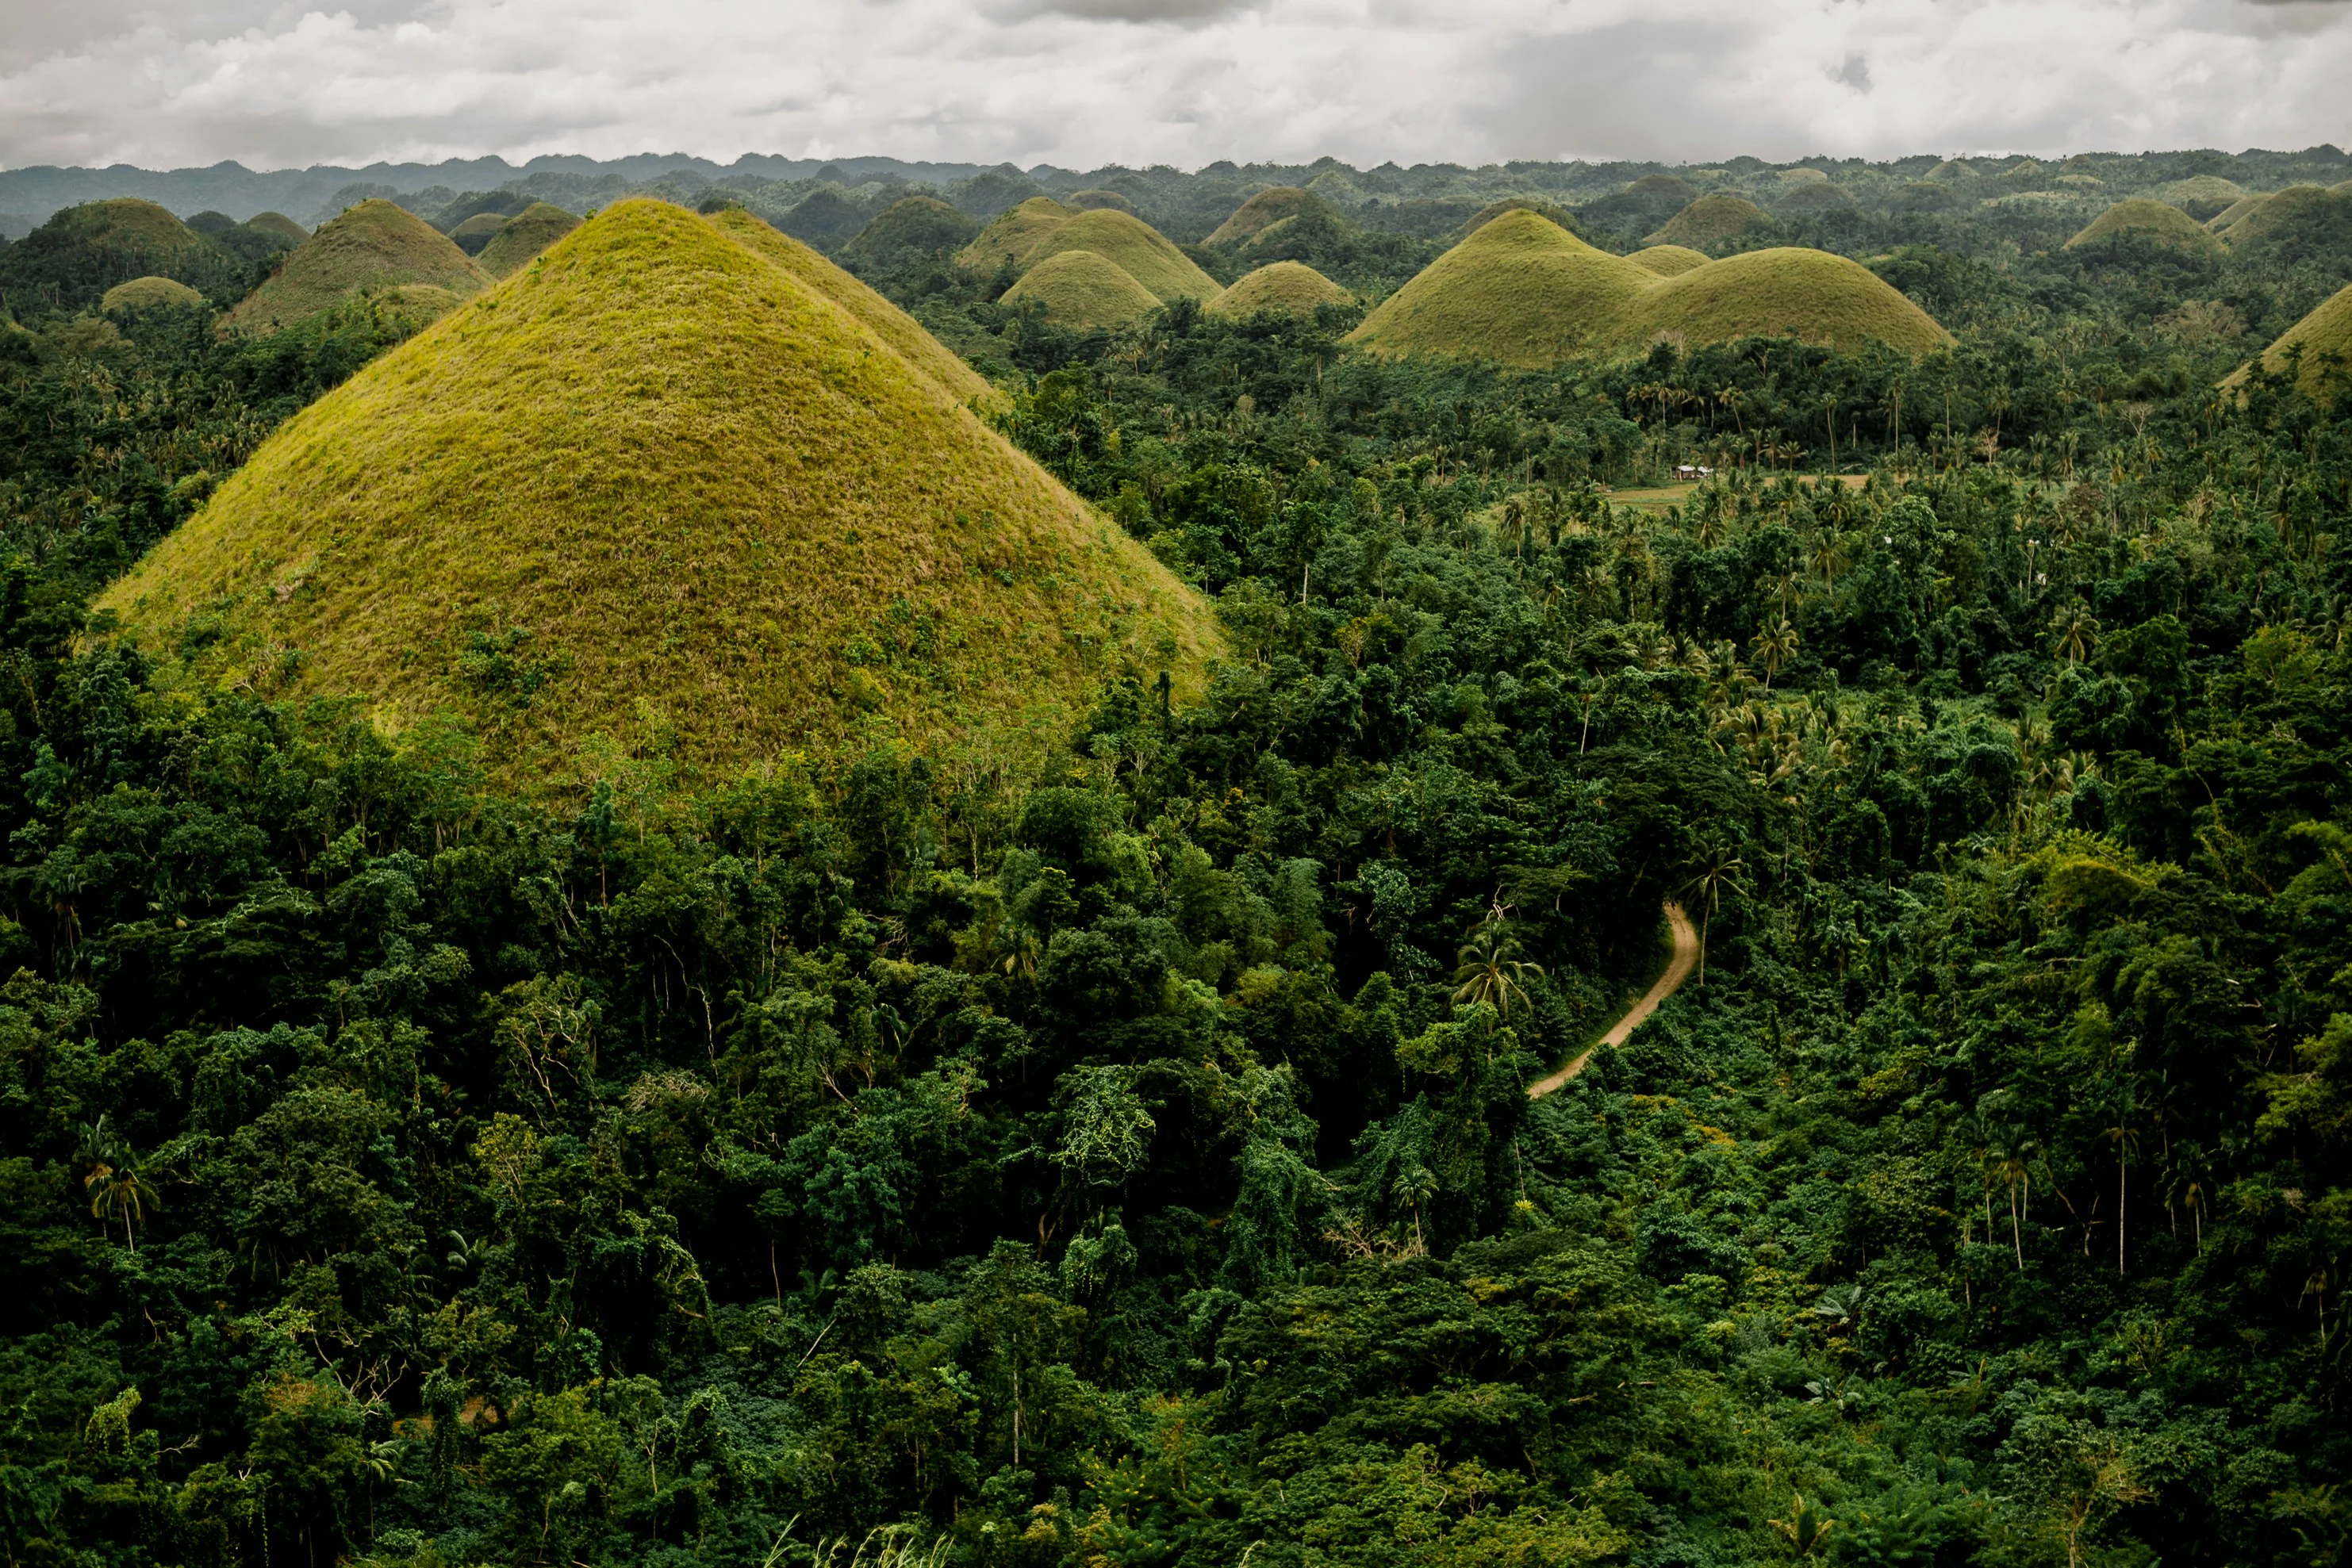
949, 1158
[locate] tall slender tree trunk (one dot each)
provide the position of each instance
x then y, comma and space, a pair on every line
2122, 1195
2016, 1235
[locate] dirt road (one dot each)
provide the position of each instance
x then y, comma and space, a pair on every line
1678, 968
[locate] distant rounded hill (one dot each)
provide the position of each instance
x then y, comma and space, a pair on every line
1095, 201
658, 494
279, 225
1709, 220
1084, 290
523, 237
70, 262
1814, 195
148, 294
1493, 210
1279, 287
1525, 294
474, 233
1668, 260
916, 226
1013, 234
1148, 256
1274, 204
2325, 338
373, 246
1663, 188
2145, 222
2300, 211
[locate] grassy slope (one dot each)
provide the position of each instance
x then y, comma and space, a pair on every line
149, 293
915, 223
724, 510
1815, 295
1087, 201
1148, 256
1668, 260
2228, 217
1081, 289
1013, 234
1267, 208
1496, 209
1287, 287
1710, 220
2156, 223
879, 316
374, 246
478, 228
523, 237
278, 223
1521, 292
2325, 339
2279, 210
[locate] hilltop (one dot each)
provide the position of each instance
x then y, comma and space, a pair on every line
2324, 339
1148, 255
70, 262
658, 492
1082, 289
2147, 222
904, 230
148, 294
1709, 220
374, 246
1013, 234
523, 237
1524, 292
1275, 204
1282, 288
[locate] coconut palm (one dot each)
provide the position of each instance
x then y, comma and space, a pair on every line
1775, 646
2078, 631
2126, 1139
118, 1189
1486, 972
1716, 873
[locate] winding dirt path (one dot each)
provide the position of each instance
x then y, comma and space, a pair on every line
1678, 968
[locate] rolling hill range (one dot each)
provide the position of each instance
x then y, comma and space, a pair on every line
659, 489
73, 259
1127, 268
374, 246
1524, 292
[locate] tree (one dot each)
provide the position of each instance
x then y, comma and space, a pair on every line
118, 1190
1486, 972
2125, 1139
2078, 631
1717, 871
1775, 646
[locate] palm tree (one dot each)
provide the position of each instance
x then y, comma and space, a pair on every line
117, 1188
2125, 1138
1718, 870
1775, 646
1486, 973
2015, 1164
2078, 631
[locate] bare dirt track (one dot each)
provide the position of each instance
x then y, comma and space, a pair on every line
1678, 968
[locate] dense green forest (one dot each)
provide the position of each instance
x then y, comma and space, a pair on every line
956, 1161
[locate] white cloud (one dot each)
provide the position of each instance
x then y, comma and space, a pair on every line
1084, 82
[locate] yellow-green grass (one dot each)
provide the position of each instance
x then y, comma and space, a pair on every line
956, 380
1785, 292
126, 225
2228, 216
1521, 292
2209, 189
374, 246
1668, 260
1089, 201
1280, 287
148, 294
1487, 214
1013, 234
523, 237
1710, 220
474, 233
2325, 339
2148, 223
1148, 256
279, 225
1274, 204
729, 521
1664, 187
1814, 196
1081, 289
2294, 204
913, 225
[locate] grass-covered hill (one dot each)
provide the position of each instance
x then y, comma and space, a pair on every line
1551, 211
1524, 292
918, 225
148, 294
472, 234
1087, 201
2145, 222
1283, 288
1275, 204
657, 493
71, 261
523, 237
1709, 221
1520, 292
279, 224
374, 246
2320, 345
1146, 255
1084, 290
1013, 234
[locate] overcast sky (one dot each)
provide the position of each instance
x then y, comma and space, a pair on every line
1085, 83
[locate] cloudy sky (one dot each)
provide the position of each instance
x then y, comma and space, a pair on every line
1086, 82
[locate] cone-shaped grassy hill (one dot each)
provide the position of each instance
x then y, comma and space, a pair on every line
1087, 201
2228, 216
375, 246
71, 261
1148, 256
1493, 210
523, 237
1522, 292
915, 226
1663, 188
1274, 204
659, 490
1786, 292
1668, 260
1013, 234
961, 383
1710, 220
474, 233
279, 225
2304, 207
148, 294
2325, 339
2145, 222
1283, 288
1081, 289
